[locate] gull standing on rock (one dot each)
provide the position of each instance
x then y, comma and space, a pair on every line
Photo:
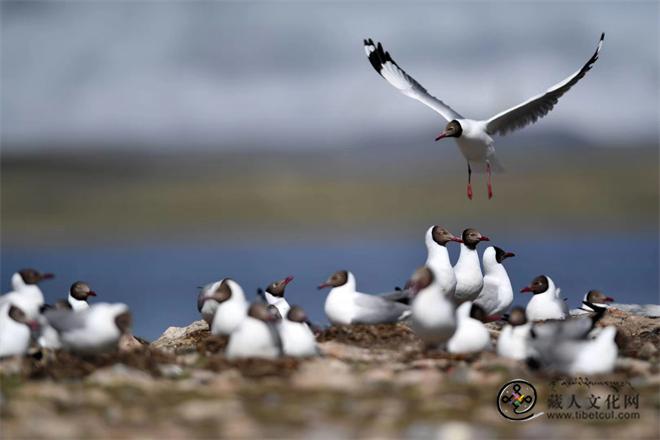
297, 337
232, 307
255, 336
474, 136
274, 295
471, 334
512, 342
497, 294
16, 330
96, 329
344, 305
433, 311
546, 302
469, 279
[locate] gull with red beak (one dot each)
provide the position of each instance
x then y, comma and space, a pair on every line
274, 295
546, 303
597, 298
469, 278
474, 136
79, 293
497, 294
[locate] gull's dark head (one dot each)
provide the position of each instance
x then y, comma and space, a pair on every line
598, 297
453, 129
539, 285
442, 236
276, 288
472, 237
421, 279
81, 291
31, 276
337, 279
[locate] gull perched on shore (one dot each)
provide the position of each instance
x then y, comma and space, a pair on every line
546, 303
474, 136
345, 305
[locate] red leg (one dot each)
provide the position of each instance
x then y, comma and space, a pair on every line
490, 187
469, 186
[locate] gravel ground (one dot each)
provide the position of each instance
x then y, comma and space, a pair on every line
372, 381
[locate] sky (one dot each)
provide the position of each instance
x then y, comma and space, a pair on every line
293, 75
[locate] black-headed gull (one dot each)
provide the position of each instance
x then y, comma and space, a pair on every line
26, 293
433, 311
15, 330
512, 342
274, 295
345, 305
545, 302
469, 278
471, 334
474, 136
231, 309
297, 337
497, 294
437, 258
255, 336
595, 297
79, 293
93, 330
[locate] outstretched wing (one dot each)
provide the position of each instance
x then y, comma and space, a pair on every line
535, 108
388, 69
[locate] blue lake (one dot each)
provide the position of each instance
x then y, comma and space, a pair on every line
159, 281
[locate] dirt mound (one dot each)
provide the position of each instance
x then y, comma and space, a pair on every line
389, 336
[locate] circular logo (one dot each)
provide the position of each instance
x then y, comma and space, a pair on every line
516, 400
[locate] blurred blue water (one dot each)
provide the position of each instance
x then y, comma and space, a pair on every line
159, 281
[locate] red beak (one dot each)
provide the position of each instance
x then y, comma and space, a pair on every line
91, 293
440, 136
457, 240
526, 289
609, 299
509, 255
34, 325
287, 280
47, 276
484, 238
324, 285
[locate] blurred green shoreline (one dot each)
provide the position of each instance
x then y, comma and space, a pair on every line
109, 196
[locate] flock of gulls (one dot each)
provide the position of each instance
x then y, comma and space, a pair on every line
445, 305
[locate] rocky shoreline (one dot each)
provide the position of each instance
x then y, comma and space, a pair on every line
371, 381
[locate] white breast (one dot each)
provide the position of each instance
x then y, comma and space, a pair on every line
433, 317
14, 337
339, 306
228, 316
252, 338
297, 339
512, 342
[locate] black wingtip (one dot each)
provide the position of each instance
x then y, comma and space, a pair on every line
602, 36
